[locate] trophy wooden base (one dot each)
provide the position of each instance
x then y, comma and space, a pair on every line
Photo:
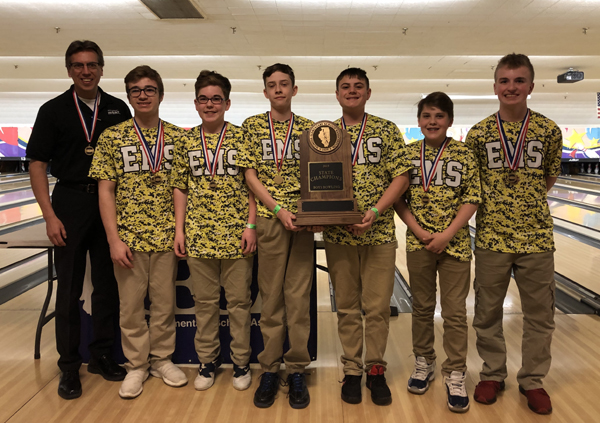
324, 213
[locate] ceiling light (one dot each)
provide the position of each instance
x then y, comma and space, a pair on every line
174, 9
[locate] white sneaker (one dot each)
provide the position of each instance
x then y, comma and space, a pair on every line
242, 379
132, 385
458, 399
206, 375
421, 375
170, 373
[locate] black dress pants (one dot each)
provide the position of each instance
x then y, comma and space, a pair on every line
80, 214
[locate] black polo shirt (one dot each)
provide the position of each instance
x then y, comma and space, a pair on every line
58, 137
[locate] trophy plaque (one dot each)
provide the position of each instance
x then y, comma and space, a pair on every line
326, 196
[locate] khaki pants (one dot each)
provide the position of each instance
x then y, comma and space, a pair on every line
534, 274
285, 272
154, 274
454, 280
235, 276
363, 278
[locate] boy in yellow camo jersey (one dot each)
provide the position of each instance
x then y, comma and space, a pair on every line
215, 226
132, 164
443, 194
518, 152
285, 252
361, 257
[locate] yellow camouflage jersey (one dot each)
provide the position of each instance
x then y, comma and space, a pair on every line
258, 154
515, 218
381, 158
145, 215
456, 182
215, 218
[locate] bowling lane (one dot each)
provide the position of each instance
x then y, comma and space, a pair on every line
590, 177
16, 197
577, 184
14, 216
14, 178
569, 194
26, 184
577, 261
577, 215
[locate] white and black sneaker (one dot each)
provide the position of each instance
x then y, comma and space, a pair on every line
458, 399
242, 379
421, 376
206, 374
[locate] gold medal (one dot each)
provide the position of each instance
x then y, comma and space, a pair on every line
89, 150
156, 179
278, 179
425, 199
512, 179
212, 185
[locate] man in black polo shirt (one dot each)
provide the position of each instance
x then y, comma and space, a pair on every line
65, 134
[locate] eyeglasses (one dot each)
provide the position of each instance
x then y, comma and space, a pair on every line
91, 66
214, 100
150, 91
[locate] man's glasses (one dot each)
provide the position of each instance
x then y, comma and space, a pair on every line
91, 66
149, 91
214, 100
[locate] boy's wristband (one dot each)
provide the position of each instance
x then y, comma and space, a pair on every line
250, 226
276, 209
374, 210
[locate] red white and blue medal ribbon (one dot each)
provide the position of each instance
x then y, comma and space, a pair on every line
427, 178
357, 144
155, 154
211, 166
287, 141
89, 132
513, 154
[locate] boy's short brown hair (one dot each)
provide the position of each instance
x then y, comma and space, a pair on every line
514, 61
439, 100
357, 73
211, 78
141, 72
279, 67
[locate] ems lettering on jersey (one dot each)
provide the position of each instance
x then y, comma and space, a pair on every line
454, 174
131, 158
534, 155
267, 149
449, 173
373, 147
198, 164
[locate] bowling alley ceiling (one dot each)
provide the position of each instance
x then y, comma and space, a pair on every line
408, 47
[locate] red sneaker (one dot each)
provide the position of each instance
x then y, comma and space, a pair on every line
538, 400
487, 390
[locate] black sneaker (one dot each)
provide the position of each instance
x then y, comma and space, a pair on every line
351, 392
298, 392
380, 393
264, 396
